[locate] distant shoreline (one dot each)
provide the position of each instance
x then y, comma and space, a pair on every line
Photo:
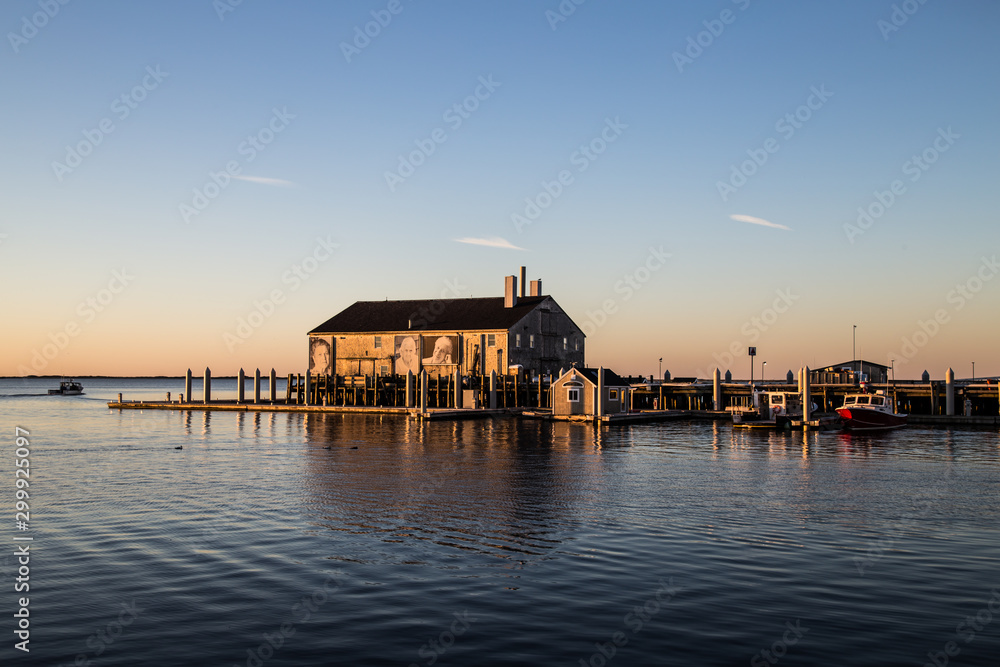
116, 377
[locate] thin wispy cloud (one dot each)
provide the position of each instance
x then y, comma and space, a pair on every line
758, 221
263, 180
492, 242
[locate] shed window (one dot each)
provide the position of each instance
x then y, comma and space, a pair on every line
573, 395
491, 340
612, 394
378, 342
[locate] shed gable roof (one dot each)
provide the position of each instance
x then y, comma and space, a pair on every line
611, 379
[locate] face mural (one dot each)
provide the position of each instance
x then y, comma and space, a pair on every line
406, 357
320, 355
441, 350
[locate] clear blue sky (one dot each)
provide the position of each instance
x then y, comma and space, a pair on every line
833, 100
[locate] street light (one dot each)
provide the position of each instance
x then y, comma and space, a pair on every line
854, 350
973, 371
660, 377
762, 372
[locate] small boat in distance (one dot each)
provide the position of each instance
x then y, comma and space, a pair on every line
67, 388
870, 411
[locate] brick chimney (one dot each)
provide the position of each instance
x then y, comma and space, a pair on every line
536, 287
509, 291
524, 280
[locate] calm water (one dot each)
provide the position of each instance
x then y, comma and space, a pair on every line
374, 540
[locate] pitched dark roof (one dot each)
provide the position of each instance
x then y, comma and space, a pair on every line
611, 379
429, 314
856, 364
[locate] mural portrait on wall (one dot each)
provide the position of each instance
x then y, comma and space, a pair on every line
441, 350
320, 355
406, 357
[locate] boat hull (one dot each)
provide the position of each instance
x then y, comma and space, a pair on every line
862, 419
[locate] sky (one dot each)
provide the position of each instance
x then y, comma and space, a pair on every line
199, 183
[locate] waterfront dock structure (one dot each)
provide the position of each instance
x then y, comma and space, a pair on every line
453, 396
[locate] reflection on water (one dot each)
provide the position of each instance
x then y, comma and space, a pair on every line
548, 535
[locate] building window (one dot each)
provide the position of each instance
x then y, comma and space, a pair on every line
517, 340
573, 395
565, 344
378, 342
576, 343
531, 341
383, 370
612, 394
491, 340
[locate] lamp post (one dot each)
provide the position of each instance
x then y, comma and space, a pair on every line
854, 349
762, 372
660, 376
973, 371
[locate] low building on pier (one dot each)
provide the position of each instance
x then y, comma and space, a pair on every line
576, 393
474, 336
850, 372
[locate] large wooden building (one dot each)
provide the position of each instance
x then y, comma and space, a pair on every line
475, 336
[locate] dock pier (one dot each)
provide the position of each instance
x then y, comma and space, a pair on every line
451, 396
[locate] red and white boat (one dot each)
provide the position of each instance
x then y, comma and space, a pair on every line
870, 411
